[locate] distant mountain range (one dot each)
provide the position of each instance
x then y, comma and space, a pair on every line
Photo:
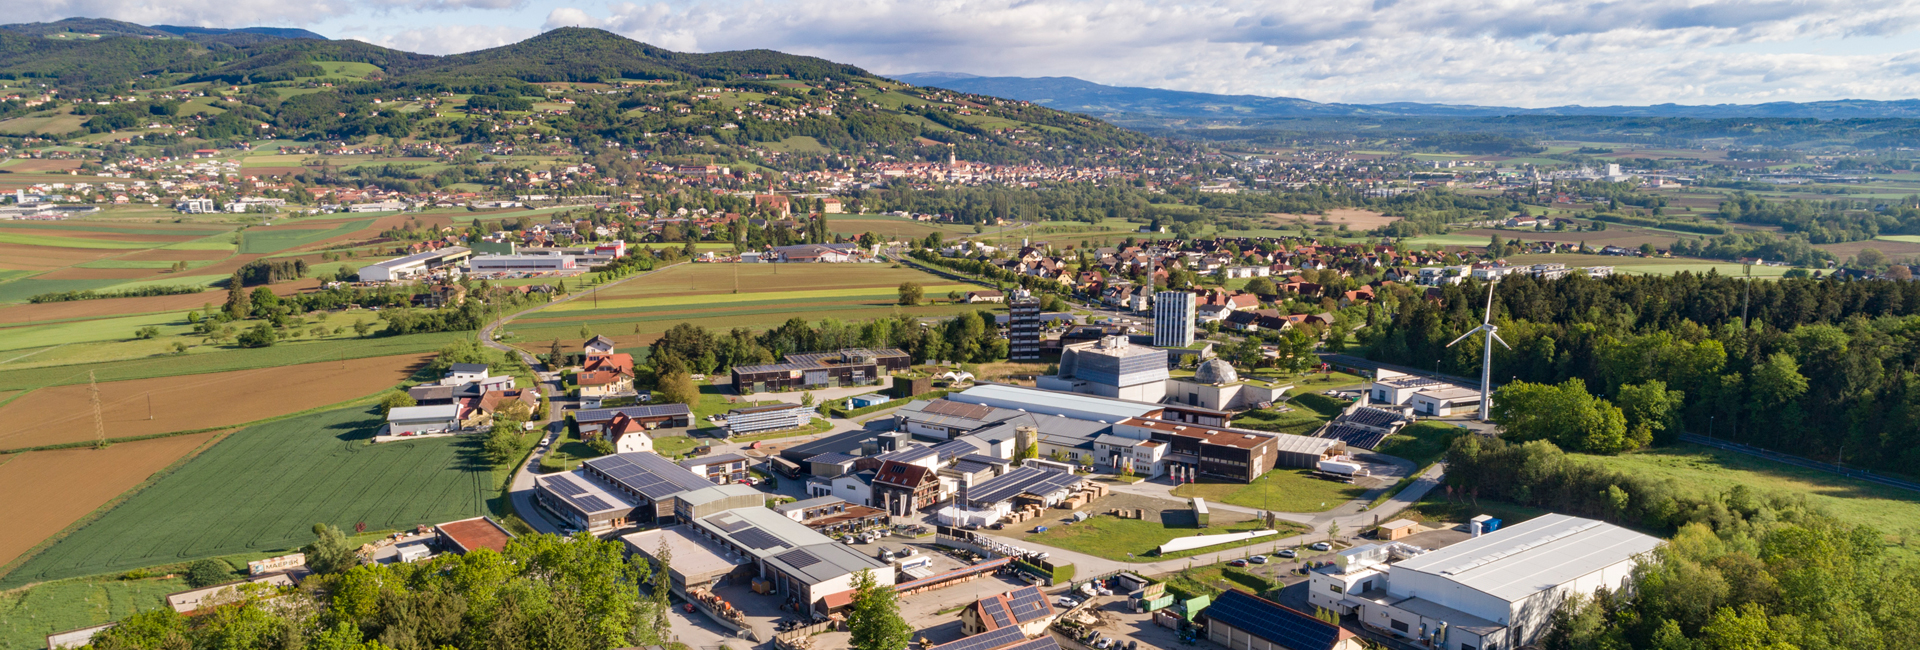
1082, 96
107, 27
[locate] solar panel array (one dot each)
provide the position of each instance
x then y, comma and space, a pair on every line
996, 609
1029, 604
798, 558
1374, 417
1353, 436
565, 486
1042, 643
653, 411
734, 526
573, 493
760, 540
1279, 625
654, 480
987, 640
1031, 480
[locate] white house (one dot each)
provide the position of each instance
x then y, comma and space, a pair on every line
856, 488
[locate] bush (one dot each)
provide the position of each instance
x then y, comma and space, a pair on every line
206, 573
394, 400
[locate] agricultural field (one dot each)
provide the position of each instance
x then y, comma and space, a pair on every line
57, 415
263, 488
706, 294
273, 239
1354, 220
49, 490
1651, 265
205, 359
892, 228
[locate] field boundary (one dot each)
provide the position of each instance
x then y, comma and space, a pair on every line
109, 506
187, 432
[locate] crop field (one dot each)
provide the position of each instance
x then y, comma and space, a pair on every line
56, 123
106, 329
203, 360
1904, 247
42, 258
21, 290
1354, 220
27, 616
705, 279
275, 238
1698, 469
262, 489
49, 490
22, 238
76, 309
148, 406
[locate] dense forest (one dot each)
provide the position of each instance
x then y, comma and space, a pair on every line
1826, 369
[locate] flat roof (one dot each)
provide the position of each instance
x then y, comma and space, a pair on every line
1022, 480
421, 258
649, 474
768, 409
635, 412
1224, 436
584, 493
470, 535
807, 504
435, 412
1542, 553
694, 557
704, 461
1049, 402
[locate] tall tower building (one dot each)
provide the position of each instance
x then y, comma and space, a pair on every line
1023, 327
1173, 313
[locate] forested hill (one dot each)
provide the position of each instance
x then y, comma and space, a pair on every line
595, 87
103, 27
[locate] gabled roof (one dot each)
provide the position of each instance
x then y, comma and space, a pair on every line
467, 368
1523, 559
1014, 608
904, 475
711, 460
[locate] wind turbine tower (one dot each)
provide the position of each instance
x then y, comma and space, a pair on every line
1486, 367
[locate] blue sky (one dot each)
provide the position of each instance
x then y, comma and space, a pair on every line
1502, 52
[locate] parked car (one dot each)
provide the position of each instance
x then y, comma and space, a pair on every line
1321, 546
1258, 559
1104, 643
1287, 552
1064, 601
1237, 563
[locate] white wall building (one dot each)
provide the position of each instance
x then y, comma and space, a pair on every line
1497, 591
1173, 313
423, 419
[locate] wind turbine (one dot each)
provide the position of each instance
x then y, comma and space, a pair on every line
1486, 368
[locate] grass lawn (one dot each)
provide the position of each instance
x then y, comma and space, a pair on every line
1283, 490
1297, 421
817, 426
1213, 579
1422, 442
262, 489
567, 454
1113, 538
27, 616
1700, 469
672, 446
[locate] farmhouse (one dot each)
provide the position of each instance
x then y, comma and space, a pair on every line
415, 265
1025, 608
850, 367
1495, 591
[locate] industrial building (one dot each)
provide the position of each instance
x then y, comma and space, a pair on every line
408, 420
1428, 396
802, 564
615, 491
1496, 591
1173, 313
1237, 455
1216, 385
521, 264
1243, 621
851, 367
415, 265
1111, 367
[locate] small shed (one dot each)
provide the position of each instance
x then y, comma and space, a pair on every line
1397, 529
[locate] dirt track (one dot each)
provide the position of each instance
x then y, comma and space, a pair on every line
62, 414
48, 490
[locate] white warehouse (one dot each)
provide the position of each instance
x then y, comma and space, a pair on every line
417, 264
1497, 591
530, 263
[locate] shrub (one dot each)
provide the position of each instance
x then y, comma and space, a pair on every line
209, 572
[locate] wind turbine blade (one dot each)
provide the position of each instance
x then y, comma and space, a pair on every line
1463, 337
1489, 317
1503, 342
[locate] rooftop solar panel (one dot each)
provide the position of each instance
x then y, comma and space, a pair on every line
734, 526
1042, 643
592, 503
565, 486
987, 640
799, 558
758, 539
1280, 625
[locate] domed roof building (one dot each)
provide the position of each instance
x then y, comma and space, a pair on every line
1216, 372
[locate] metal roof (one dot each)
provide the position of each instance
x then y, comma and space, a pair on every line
1022, 480
805, 504
467, 367
833, 458
649, 474
1049, 402
435, 412
958, 447
584, 493
1279, 625
1518, 561
417, 258
635, 412
908, 455
704, 461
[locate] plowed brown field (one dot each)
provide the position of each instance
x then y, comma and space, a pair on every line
47, 490
30, 313
41, 258
62, 414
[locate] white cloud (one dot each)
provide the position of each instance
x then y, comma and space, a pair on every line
1508, 52
452, 39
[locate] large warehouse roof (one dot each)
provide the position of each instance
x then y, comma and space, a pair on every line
1541, 553
1049, 402
648, 474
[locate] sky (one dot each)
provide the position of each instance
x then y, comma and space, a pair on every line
1494, 53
